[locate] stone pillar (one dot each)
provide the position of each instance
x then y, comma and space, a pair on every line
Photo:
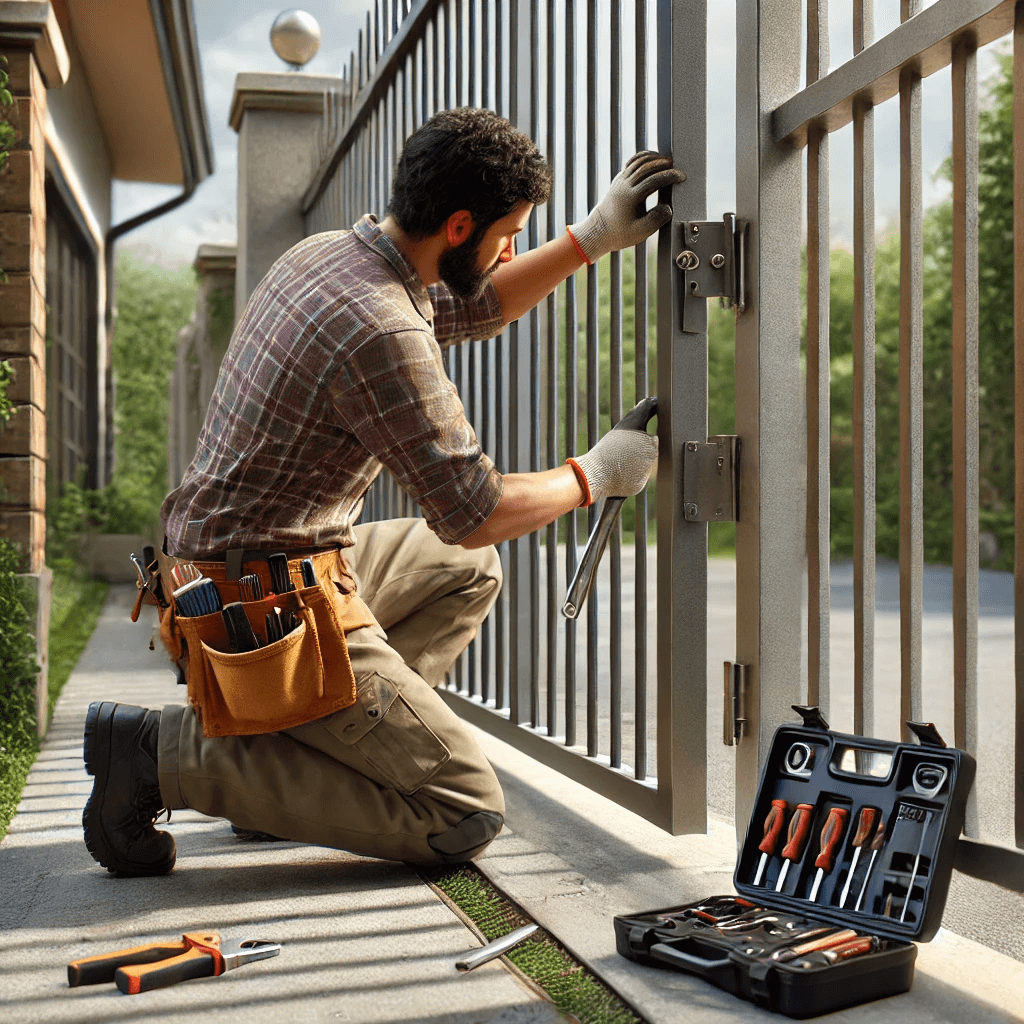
279, 120
37, 60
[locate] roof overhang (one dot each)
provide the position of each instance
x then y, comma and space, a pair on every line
141, 59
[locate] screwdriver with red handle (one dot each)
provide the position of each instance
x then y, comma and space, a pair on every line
799, 829
865, 823
831, 837
772, 830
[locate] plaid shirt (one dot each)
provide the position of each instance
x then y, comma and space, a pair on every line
334, 370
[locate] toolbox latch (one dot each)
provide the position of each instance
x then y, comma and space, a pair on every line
734, 723
812, 716
927, 734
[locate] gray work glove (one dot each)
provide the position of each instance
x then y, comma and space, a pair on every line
621, 219
620, 464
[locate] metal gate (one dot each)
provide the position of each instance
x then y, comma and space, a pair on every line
618, 702
573, 76
780, 125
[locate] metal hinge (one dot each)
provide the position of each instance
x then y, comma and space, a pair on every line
711, 479
734, 722
713, 263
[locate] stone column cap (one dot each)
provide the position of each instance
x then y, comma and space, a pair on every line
33, 23
288, 90
216, 256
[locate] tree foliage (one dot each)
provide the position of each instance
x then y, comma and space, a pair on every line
153, 304
995, 359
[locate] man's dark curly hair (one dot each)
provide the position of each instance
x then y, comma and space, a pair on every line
465, 159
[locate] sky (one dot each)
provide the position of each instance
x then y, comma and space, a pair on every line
235, 37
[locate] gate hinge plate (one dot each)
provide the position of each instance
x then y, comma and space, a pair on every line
734, 722
713, 262
711, 479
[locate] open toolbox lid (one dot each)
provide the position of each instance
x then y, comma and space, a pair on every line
918, 795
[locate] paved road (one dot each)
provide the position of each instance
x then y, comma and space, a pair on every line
995, 669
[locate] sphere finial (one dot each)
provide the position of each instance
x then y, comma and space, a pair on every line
295, 37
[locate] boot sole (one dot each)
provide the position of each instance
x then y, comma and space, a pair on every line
98, 721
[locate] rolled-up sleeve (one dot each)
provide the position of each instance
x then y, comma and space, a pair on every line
393, 395
458, 319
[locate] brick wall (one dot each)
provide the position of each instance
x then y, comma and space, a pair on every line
23, 313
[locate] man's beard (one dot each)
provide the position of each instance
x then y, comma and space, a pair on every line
459, 267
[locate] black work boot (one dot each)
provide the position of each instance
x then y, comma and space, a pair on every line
121, 752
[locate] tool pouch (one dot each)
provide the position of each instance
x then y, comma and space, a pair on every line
302, 677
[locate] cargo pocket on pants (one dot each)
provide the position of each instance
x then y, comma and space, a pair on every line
400, 747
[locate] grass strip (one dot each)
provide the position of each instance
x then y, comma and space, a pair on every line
75, 607
568, 984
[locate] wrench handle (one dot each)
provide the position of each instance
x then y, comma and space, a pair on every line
583, 580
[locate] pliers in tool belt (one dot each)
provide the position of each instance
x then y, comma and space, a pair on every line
198, 955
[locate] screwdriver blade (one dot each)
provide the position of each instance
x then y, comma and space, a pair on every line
849, 877
760, 868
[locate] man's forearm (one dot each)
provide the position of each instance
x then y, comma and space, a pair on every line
529, 501
525, 280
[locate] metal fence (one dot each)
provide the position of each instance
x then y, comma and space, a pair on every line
929, 39
584, 80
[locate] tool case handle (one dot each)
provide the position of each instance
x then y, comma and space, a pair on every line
710, 969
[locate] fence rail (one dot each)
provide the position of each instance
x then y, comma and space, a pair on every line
582, 79
945, 35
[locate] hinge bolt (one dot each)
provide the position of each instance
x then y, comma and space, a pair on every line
691, 446
692, 511
695, 230
718, 261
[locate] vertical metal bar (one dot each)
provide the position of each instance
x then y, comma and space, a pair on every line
911, 391
485, 54
447, 54
472, 397
863, 393
551, 322
534, 390
770, 533
486, 645
593, 379
471, 98
501, 640
1018, 414
459, 94
818, 360
682, 415
641, 358
520, 606
571, 358
965, 404
435, 70
615, 401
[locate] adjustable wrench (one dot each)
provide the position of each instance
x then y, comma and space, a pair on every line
636, 419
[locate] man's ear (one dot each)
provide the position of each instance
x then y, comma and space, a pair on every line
459, 227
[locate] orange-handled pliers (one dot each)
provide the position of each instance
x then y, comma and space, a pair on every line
198, 955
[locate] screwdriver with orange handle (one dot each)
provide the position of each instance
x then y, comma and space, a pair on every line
772, 830
865, 823
831, 837
799, 829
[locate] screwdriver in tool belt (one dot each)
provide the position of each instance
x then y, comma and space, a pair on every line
865, 823
831, 837
772, 830
799, 829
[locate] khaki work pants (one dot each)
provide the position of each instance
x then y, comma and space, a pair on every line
397, 775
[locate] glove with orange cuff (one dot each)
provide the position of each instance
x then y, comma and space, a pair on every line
620, 464
621, 218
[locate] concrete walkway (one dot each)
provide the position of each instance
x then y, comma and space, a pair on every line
366, 941
363, 940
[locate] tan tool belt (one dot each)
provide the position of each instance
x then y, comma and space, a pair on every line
295, 680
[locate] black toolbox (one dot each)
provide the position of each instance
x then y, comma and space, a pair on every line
890, 814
